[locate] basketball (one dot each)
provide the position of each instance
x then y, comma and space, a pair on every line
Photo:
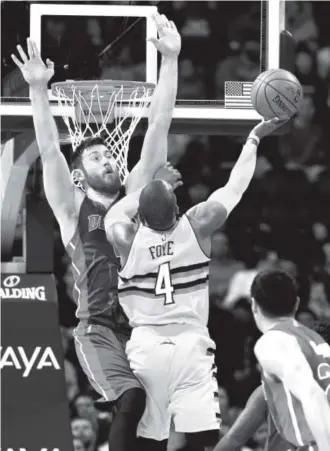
276, 93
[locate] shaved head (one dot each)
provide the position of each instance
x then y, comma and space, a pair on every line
157, 205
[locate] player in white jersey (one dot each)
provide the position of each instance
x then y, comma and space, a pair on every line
163, 289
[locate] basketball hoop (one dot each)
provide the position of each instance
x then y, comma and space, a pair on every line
98, 104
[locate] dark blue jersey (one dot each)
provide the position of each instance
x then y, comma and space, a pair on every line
95, 269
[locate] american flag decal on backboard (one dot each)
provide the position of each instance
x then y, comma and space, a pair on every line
238, 94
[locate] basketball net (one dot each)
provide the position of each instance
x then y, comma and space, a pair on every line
97, 106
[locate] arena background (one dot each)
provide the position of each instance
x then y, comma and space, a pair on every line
282, 221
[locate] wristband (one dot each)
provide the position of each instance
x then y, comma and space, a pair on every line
254, 137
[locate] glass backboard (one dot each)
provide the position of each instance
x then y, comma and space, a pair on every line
221, 42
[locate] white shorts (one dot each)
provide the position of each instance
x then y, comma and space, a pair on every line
178, 374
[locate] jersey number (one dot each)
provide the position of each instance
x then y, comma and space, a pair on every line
164, 284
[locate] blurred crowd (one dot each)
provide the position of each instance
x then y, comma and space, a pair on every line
283, 221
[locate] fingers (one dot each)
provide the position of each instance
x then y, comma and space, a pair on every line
17, 61
172, 25
30, 48
154, 41
33, 52
165, 21
278, 122
275, 121
22, 54
177, 184
161, 21
49, 64
35, 48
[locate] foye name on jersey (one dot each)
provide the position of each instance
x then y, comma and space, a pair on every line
161, 250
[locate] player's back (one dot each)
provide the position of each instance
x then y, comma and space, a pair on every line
285, 409
165, 278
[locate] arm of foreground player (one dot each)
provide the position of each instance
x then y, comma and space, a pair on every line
124, 211
279, 355
247, 424
210, 215
59, 189
154, 150
118, 225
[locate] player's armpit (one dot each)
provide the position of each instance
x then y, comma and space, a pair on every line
207, 217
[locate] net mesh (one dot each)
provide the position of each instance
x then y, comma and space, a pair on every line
110, 111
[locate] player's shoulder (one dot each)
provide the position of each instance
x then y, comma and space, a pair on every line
123, 232
272, 342
279, 354
198, 212
206, 217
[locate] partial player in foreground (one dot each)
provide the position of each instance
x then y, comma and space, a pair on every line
295, 364
103, 329
163, 288
256, 413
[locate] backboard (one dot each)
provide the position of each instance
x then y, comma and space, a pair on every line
109, 41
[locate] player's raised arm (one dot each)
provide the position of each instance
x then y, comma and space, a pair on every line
209, 216
154, 150
280, 356
59, 189
247, 424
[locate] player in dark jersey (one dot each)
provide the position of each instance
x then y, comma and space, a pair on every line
103, 331
295, 364
256, 413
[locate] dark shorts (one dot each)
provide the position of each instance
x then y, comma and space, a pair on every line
101, 353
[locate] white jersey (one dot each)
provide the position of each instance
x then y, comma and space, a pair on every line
165, 279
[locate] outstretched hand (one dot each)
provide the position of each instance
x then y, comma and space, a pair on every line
34, 70
169, 40
170, 175
265, 128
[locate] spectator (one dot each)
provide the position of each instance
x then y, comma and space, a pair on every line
228, 412
260, 438
191, 83
78, 445
122, 67
244, 64
306, 317
301, 23
84, 408
222, 267
82, 429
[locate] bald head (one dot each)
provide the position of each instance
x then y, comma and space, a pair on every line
157, 205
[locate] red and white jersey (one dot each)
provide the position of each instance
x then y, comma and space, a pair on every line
165, 279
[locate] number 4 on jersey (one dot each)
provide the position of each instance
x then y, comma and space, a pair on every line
164, 284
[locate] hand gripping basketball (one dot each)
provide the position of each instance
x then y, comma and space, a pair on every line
265, 128
169, 41
34, 70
